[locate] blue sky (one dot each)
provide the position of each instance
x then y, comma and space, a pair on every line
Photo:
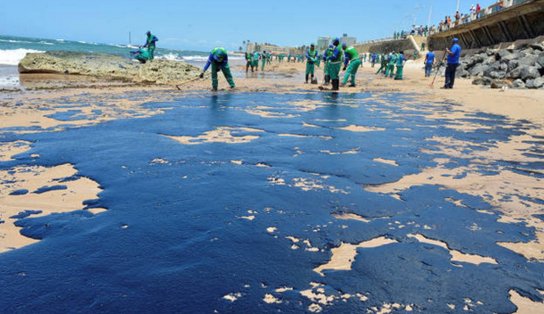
202, 25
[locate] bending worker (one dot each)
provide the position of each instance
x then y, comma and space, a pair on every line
151, 44
326, 54
335, 64
311, 59
351, 56
219, 61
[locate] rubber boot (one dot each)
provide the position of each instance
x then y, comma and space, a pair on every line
327, 79
336, 84
306, 78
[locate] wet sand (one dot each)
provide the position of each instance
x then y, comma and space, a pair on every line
515, 195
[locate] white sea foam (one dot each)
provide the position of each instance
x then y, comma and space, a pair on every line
195, 58
170, 56
14, 56
12, 41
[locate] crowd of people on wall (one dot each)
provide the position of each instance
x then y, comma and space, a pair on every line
475, 12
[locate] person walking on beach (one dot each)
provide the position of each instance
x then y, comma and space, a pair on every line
249, 62
151, 44
335, 64
454, 54
351, 57
263, 60
219, 60
311, 59
390, 70
400, 66
383, 63
429, 61
255, 60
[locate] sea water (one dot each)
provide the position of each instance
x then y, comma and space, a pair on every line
13, 49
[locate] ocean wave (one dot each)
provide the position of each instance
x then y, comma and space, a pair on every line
46, 43
170, 56
14, 56
195, 58
11, 41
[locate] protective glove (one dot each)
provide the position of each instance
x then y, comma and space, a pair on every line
345, 68
201, 75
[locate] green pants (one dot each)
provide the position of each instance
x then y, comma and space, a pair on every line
226, 72
390, 70
382, 68
255, 64
334, 70
310, 68
326, 68
151, 50
351, 71
400, 69
263, 63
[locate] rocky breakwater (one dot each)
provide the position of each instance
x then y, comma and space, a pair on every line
108, 67
522, 67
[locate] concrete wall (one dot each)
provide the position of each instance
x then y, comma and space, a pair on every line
407, 45
524, 20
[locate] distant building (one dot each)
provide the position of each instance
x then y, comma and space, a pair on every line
323, 42
274, 49
350, 41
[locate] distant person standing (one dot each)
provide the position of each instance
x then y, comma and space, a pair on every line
400, 66
454, 55
429, 61
249, 62
255, 60
219, 61
263, 60
151, 44
311, 60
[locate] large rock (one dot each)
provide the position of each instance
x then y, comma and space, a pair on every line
518, 84
529, 73
108, 67
536, 83
500, 84
501, 54
528, 60
482, 81
477, 70
540, 60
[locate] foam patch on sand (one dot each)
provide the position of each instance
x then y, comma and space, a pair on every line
38, 189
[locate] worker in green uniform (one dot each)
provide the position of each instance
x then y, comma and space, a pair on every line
326, 54
390, 70
400, 66
311, 59
383, 63
151, 44
335, 64
219, 60
351, 57
255, 60
249, 62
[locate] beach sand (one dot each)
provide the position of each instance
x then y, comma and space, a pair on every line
34, 111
